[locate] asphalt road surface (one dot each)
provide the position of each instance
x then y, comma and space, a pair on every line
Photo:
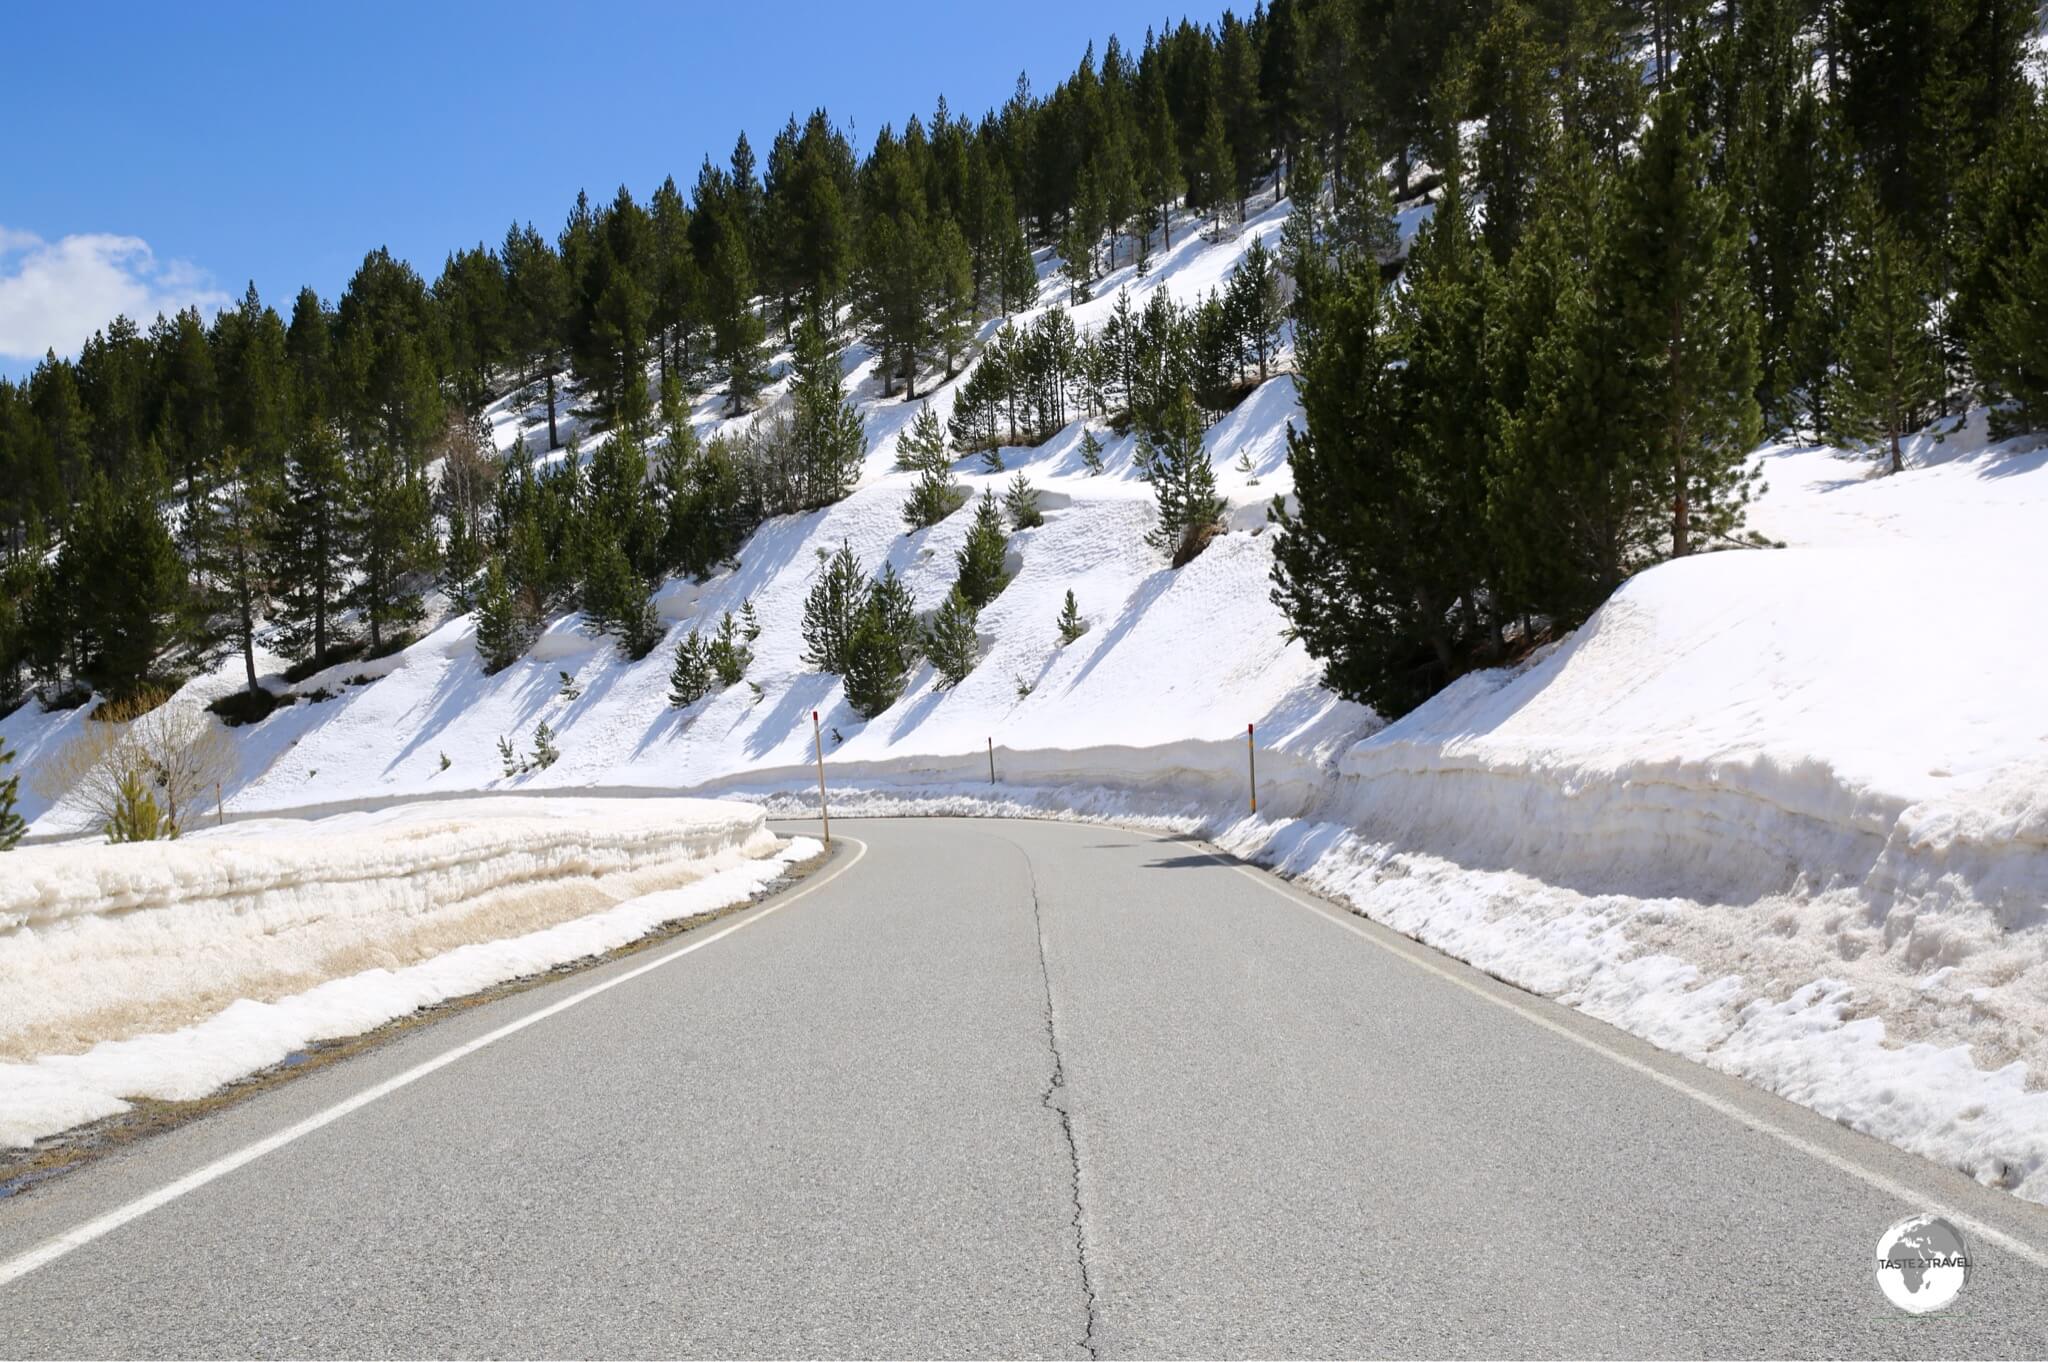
984, 1087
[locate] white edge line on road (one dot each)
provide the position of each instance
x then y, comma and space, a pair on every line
1970, 1223
48, 1252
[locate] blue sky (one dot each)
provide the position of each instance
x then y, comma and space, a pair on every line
170, 153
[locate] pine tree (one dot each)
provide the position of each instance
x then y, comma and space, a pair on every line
537, 300
932, 499
1071, 625
1569, 505
890, 600
831, 609
892, 281
1254, 303
237, 526
877, 663
1350, 562
2012, 350
1183, 481
617, 502
922, 445
1689, 330
1091, 452
950, 279
1448, 386
617, 601
1215, 169
503, 627
1890, 371
737, 332
951, 642
11, 825
689, 680
830, 440
393, 545
126, 582
980, 560
1020, 504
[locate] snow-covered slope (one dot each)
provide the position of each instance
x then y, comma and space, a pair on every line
1780, 810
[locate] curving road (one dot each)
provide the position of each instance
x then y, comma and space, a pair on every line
986, 1087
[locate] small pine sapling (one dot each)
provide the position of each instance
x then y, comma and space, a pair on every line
922, 447
569, 689
689, 680
750, 623
935, 497
980, 560
992, 459
514, 765
1091, 452
1071, 625
11, 825
950, 641
545, 753
728, 653
137, 816
1020, 503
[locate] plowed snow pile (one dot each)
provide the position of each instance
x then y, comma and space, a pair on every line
165, 969
1784, 811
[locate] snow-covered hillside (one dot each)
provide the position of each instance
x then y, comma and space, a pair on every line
1780, 810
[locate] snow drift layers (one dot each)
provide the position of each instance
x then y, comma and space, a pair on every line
104, 942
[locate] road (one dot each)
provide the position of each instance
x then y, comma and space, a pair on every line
988, 1087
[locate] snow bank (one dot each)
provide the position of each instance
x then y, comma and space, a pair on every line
102, 942
59, 1091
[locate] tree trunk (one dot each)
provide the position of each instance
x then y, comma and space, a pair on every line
1681, 499
554, 439
249, 648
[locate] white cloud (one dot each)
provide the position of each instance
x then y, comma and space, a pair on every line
54, 294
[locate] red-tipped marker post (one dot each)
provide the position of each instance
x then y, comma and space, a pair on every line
818, 737
1251, 758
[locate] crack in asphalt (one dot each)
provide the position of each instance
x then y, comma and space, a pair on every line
1054, 1099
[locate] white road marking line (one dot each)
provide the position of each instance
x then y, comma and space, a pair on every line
48, 1252
1888, 1186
